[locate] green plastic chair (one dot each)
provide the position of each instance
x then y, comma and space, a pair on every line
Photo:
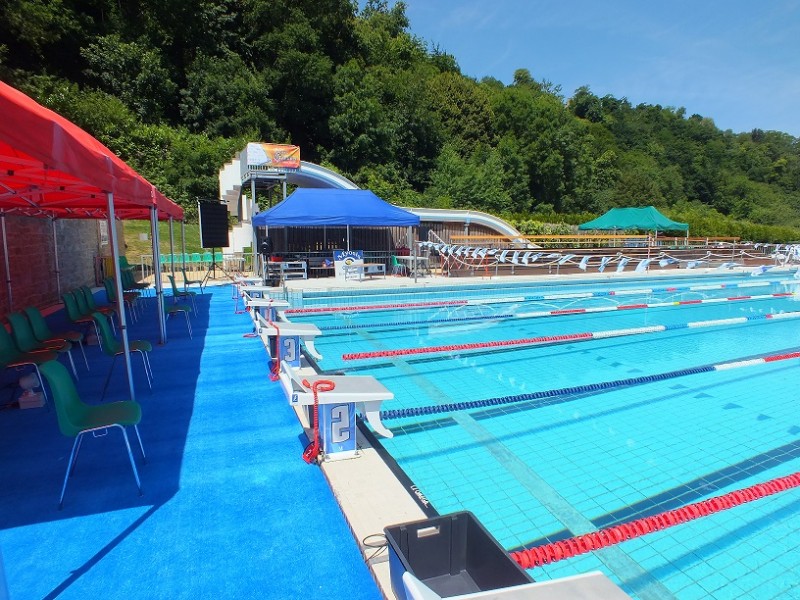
12, 358
176, 293
85, 299
75, 315
128, 298
124, 264
85, 310
76, 418
398, 268
113, 348
26, 341
173, 309
130, 284
42, 331
187, 282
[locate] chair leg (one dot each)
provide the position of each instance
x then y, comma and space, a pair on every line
147, 372
130, 456
188, 324
80, 343
41, 384
72, 364
108, 377
77, 453
69, 469
141, 446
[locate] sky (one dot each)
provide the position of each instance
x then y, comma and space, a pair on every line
736, 62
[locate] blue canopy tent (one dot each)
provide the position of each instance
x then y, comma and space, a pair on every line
317, 207
330, 207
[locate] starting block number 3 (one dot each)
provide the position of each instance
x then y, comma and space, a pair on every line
289, 350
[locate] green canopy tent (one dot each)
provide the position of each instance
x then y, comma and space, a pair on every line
646, 218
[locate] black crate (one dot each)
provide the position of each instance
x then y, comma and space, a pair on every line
451, 554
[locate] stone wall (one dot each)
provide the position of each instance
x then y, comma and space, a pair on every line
32, 258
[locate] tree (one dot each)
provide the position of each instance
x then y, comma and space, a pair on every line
226, 97
463, 109
133, 73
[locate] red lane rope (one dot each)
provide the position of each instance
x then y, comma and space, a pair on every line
312, 451
474, 346
333, 309
541, 555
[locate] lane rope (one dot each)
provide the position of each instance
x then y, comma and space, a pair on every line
556, 313
568, 337
537, 298
583, 389
588, 542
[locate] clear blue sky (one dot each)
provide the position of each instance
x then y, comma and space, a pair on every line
737, 61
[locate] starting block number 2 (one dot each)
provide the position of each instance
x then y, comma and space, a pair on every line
338, 428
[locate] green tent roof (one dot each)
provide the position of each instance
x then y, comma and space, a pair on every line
647, 218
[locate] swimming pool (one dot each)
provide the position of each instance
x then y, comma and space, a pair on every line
581, 459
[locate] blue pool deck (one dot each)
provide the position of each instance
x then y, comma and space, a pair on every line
229, 510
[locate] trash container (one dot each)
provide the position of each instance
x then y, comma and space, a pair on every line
451, 554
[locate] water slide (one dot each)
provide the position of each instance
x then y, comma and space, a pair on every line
316, 176
313, 175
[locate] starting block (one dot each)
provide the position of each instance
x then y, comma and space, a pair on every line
290, 335
256, 297
337, 408
239, 282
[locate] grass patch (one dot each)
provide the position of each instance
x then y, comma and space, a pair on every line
135, 248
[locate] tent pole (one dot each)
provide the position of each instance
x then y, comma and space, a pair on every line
123, 327
183, 242
348, 237
55, 248
414, 245
172, 248
155, 237
5, 256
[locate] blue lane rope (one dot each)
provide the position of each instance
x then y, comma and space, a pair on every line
578, 389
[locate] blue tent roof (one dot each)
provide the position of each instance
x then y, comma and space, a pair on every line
315, 207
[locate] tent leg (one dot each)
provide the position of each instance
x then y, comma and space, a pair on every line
123, 326
5, 256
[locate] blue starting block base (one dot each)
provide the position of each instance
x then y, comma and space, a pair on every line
288, 350
337, 430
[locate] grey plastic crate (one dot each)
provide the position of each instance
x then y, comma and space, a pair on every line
451, 554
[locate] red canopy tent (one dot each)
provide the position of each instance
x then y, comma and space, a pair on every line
50, 167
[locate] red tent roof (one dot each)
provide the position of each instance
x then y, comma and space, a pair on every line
51, 167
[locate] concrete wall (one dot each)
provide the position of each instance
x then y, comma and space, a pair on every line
31, 252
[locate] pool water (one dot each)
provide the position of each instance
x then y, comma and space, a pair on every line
545, 469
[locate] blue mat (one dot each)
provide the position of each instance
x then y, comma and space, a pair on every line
229, 509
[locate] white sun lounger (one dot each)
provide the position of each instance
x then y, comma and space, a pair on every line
364, 390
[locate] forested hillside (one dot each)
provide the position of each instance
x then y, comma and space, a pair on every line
176, 88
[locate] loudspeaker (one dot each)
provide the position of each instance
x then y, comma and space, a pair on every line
213, 224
